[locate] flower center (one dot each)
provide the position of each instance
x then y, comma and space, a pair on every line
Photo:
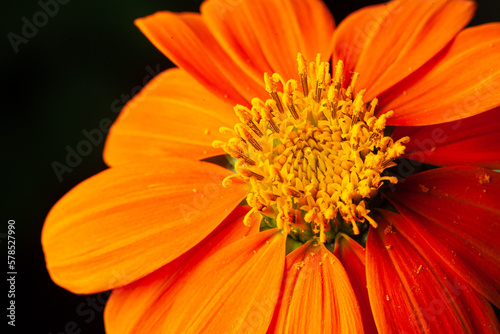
313, 157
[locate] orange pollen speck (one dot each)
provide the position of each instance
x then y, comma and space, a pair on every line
312, 156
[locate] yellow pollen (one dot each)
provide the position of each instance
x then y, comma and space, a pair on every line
312, 155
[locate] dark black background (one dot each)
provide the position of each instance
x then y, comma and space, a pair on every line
62, 82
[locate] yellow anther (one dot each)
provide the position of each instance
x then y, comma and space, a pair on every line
302, 64
265, 111
358, 104
244, 134
243, 113
255, 114
246, 117
277, 78
238, 154
252, 217
332, 95
339, 75
290, 87
303, 74
266, 115
271, 86
257, 103
380, 123
242, 169
225, 130
373, 105
228, 180
218, 144
318, 59
391, 179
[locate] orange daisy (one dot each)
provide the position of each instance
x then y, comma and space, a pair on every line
364, 153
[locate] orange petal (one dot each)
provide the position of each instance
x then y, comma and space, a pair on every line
460, 82
172, 116
457, 212
410, 289
128, 221
266, 35
411, 35
356, 31
317, 295
399, 37
141, 307
235, 290
186, 40
352, 256
469, 141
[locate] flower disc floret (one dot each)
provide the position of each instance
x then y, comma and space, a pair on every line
313, 157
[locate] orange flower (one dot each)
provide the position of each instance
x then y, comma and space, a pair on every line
372, 206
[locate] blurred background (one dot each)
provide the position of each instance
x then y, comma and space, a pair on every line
73, 72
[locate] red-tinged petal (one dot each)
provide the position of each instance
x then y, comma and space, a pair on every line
399, 37
462, 81
353, 258
186, 40
470, 141
266, 35
457, 211
412, 291
317, 296
414, 33
140, 307
233, 291
172, 116
130, 220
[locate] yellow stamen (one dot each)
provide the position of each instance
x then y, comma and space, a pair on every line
303, 74
313, 158
246, 117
